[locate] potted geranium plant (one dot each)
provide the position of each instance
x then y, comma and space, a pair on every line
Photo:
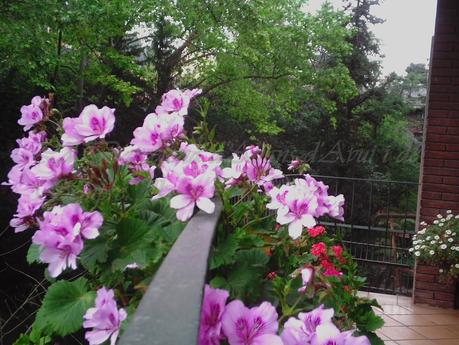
103, 217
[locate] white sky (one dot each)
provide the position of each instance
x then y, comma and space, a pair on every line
405, 35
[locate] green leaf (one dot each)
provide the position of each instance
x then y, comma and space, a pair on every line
33, 253
369, 321
254, 257
64, 305
219, 283
224, 253
95, 251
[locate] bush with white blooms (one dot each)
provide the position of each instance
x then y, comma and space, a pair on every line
437, 244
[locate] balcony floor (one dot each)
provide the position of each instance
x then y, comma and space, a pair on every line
415, 324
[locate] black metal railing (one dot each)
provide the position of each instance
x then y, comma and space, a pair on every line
169, 312
380, 220
378, 228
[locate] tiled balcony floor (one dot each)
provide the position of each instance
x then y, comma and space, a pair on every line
409, 324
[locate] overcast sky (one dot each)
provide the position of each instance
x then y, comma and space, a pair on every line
405, 35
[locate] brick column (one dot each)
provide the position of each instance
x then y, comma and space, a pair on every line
439, 190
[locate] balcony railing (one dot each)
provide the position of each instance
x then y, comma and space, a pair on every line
169, 312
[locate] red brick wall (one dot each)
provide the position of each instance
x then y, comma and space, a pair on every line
439, 189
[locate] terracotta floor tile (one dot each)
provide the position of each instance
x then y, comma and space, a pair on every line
382, 336
445, 319
435, 332
391, 309
426, 309
389, 321
400, 333
446, 342
390, 342
414, 320
415, 342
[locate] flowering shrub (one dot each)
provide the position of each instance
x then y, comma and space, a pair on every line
103, 218
437, 244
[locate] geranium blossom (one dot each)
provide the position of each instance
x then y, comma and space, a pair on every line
254, 326
93, 123
300, 203
105, 319
61, 235
22, 157
31, 114
54, 165
177, 101
211, 316
158, 131
33, 142
194, 191
253, 166
28, 204
306, 277
300, 331
192, 178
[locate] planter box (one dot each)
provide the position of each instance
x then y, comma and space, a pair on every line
428, 289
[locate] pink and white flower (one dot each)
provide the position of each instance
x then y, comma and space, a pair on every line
176, 101
61, 233
251, 166
213, 306
306, 276
194, 192
31, 114
33, 142
93, 123
300, 203
28, 204
54, 165
300, 331
104, 318
22, 157
254, 326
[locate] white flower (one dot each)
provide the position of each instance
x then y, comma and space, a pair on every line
417, 247
456, 265
439, 216
433, 242
423, 223
457, 249
431, 252
411, 250
450, 239
428, 238
456, 216
448, 211
417, 253
443, 220
440, 270
443, 246
435, 221
441, 224
448, 232
423, 246
449, 216
453, 248
437, 237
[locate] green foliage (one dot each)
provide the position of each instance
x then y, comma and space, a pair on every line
33, 253
64, 306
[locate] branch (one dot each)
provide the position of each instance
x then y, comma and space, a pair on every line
223, 82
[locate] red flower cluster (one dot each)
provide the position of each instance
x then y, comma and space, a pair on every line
338, 250
330, 269
319, 249
316, 231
